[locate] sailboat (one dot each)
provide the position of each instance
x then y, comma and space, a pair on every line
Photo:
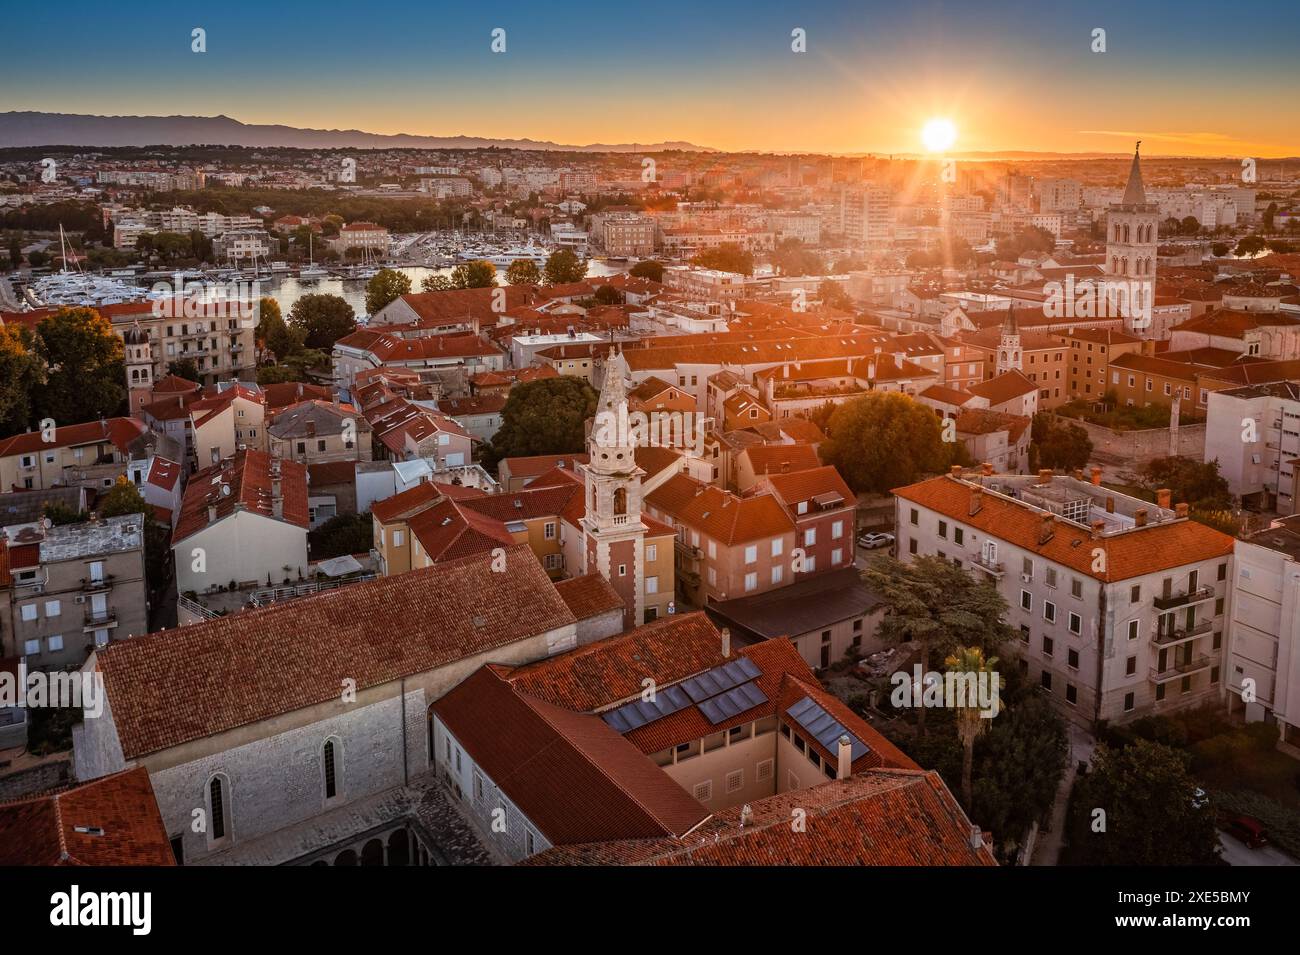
313, 271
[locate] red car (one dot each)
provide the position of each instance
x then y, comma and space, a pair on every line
1246, 829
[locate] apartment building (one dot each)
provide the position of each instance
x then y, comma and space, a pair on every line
318, 432
1264, 643
37, 460
244, 521
1089, 353
368, 236
866, 219
624, 234
824, 511
1120, 604
1254, 434
706, 285
73, 588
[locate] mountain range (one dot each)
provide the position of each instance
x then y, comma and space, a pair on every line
72, 129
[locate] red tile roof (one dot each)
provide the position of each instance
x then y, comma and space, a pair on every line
720, 514
781, 458
1135, 553
447, 531
882, 817
572, 775
538, 464
1004, 387
119, 432
251, 666
407, 503
127, 828
589, 596
248, 476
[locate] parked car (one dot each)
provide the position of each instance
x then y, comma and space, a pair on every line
1199, 798
1246, 829
872, 541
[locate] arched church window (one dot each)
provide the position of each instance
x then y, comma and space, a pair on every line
620, 500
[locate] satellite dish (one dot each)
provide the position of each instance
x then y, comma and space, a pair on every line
225, 490
47, 523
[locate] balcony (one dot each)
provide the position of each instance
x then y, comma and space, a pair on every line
1171, 637
988, 566
687, 551
1187, 598
97, 584
100, 619
1176, 671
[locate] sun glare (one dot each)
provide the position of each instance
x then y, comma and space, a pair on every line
939, 134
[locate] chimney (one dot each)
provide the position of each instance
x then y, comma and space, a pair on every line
1149, 347
1045, 529
987, 468
746, 815
1140, 517
212, 513
976, 500
845, 769
976, 837
1045, 476
1110, 505
1078, 474
1096, 475
955, 470
726, 642
1097, 528
1180, 510
1164, 497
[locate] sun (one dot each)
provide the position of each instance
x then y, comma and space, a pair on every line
938, 134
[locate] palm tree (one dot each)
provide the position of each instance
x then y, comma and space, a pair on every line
971, 719
937, 605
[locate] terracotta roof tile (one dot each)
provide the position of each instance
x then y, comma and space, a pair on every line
248, 476
589, 596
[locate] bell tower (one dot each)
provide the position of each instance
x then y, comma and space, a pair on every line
1010, 355
1131, 244
138, 361
615, 536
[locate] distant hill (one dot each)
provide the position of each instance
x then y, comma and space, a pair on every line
71, 129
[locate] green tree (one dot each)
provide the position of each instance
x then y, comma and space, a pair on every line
544, 417
564, 267
323, 320
523, 272
727, 257
38, 259
791, 258
20, 375
883, 440
608, 295
85, 377
1220, 249
1151, 813
184, 368
648, 269
970, 718
1269, 213
1199, 483
832, 295
1249, 245
388, 285
478, 274
938, 605
268, 317
1059, 445
343, 534
60, 514
435, 283
276, 374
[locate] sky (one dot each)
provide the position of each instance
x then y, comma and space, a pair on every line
1192, 78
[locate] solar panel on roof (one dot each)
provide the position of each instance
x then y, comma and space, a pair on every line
734, 701
720, 679
824, 728
638, 713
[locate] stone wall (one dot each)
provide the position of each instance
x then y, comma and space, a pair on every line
1134, 448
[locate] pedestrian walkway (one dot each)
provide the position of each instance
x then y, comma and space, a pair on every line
1047, 848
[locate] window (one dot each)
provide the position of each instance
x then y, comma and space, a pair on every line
763, 770
943, 529
777, 546
703, 792
622, 570
1218, 607
735, 780
1133, 627
1072, 659
915, 517
1223, 571
331, 773
478, 785
1135, 595
751, 554
1128, 702
837, 555
1047, 646
1027, 568
810, 537
777, 573
751, 582
1130, 666
32, 648
911, 546
55, 643
652, 585
1026, 600
837, 530
217, 808
1076, 588
1049, 573
809, 564
530, 840
1046, 681
1049, 611
399, 538
801, 507
1160, 692
548, 530
1024, 633
957, 535
651, 553
29, 612
1071, 694
1075, 623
